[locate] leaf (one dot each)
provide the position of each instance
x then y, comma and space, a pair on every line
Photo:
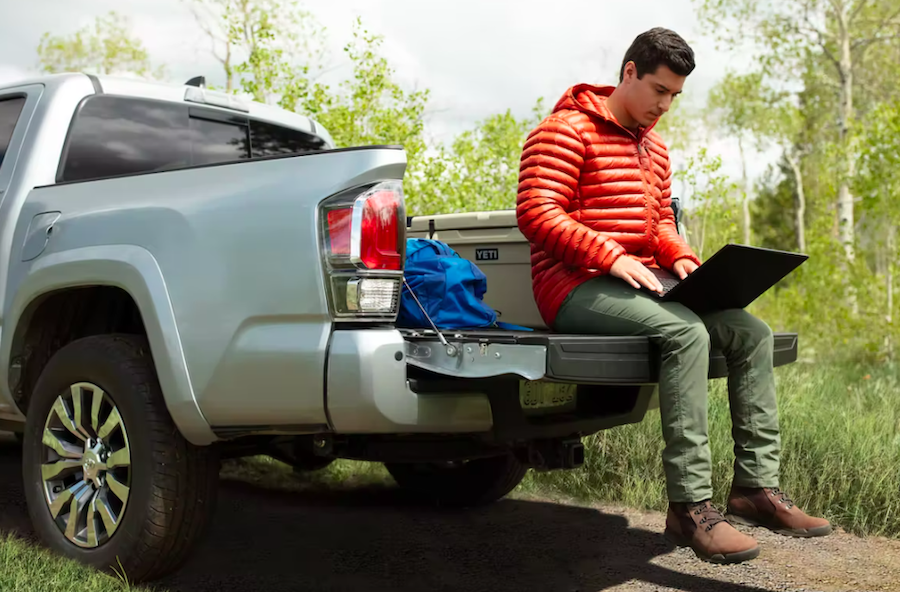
107, 47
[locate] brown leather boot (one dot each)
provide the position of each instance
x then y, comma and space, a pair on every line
772, 508
702, 527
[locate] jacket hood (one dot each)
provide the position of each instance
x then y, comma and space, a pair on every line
591, 99
587, 98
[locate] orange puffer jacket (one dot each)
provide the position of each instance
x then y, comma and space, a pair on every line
591, 191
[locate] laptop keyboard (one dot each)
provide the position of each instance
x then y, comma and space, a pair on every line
665, 278
668, 283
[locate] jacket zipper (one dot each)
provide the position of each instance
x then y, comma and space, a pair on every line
642, 153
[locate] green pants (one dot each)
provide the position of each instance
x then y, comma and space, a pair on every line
609, 306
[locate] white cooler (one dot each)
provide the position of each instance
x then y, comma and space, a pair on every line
492, 241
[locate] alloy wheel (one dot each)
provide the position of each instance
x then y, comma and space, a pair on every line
86, 465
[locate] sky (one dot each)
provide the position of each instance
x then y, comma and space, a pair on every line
478, 57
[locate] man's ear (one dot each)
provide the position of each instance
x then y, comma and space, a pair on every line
630, 72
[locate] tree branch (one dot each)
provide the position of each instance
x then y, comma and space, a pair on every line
865, 43
838, 7
822, 34
213, 37
822, 40
824, 80
858, 9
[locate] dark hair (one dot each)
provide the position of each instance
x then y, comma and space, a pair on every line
659, 47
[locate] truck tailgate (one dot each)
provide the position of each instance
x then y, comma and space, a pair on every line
582, 359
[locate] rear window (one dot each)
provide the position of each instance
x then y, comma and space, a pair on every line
271, 140
218, 141
10, 109
113, 136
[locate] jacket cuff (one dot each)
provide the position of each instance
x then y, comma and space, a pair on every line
669, 262
612, 252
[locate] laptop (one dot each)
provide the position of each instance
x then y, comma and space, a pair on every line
733, 277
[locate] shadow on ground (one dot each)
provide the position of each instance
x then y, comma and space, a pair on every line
372, 539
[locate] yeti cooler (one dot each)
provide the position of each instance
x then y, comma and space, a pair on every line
493, 242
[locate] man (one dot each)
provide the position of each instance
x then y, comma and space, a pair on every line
595, 203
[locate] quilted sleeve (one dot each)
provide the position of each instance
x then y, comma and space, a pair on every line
672, 246
550, 167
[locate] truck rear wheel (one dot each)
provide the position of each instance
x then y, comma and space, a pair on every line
468, 483
108, 479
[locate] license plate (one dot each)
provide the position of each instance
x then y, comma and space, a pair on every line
536, 395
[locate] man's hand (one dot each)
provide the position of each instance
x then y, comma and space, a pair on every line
684, 267
635, 273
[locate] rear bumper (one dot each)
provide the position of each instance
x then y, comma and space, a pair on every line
388, 381
368, 392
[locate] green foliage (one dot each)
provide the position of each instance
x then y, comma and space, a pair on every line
371, 107
272, 50
712, 216
479, 171
107, 47
878, 181
773, 226
679, 128
824, 70
737, 104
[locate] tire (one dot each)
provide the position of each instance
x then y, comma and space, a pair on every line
170, 485
471, 483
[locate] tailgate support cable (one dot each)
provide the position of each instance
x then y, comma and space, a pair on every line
451, 349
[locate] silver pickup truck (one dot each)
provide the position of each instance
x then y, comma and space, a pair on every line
188, 277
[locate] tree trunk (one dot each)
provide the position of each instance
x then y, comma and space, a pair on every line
229, 73
799, 203
845, 197
889, 281
745, 204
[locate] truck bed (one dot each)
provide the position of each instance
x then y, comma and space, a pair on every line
582, 359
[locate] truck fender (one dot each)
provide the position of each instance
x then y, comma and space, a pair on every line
134, 270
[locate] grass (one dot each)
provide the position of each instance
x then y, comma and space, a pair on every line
840, 453
268, 473
25, 568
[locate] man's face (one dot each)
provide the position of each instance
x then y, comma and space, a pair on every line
648, 98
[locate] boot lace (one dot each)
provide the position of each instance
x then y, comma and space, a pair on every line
781, 497
709, 515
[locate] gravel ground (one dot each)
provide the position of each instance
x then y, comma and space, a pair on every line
373, 539
837, 562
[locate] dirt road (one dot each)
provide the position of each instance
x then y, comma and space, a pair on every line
372, 540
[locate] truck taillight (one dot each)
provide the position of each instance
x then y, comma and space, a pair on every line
365, 232
380, 237
363, 238
339, 232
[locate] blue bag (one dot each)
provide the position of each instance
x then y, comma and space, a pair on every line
449, 288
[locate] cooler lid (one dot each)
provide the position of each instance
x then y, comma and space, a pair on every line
464, 221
